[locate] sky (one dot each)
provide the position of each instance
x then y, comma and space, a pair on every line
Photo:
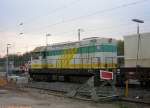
25, 23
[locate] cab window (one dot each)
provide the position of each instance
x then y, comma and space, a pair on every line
35, 55
44, 55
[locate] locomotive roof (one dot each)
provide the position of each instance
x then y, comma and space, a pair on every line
40, 48
59, 45
70, 42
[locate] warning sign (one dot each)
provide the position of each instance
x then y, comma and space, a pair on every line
106, 75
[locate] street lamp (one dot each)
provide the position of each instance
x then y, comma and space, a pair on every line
47, 35
21, 33
139, 37
21, 23
7, 61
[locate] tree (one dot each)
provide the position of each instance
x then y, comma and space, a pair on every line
17, 59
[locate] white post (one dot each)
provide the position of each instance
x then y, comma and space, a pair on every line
7, 61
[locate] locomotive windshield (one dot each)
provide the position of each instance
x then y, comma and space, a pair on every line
35, 55
43, 54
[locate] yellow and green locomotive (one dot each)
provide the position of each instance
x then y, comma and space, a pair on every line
70, 59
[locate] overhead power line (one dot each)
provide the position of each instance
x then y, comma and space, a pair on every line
95, 13
101, 11
49, 14
54, 10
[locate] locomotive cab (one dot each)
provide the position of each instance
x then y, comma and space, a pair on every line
38, 59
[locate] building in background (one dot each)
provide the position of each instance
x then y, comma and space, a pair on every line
131, 49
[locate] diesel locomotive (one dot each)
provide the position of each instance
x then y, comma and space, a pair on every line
63, 61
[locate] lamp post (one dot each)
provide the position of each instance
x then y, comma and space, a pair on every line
47, 35
138, 39
7, 61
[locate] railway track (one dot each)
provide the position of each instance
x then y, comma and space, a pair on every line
57, 90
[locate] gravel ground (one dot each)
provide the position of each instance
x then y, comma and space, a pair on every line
32, 98
35, 98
